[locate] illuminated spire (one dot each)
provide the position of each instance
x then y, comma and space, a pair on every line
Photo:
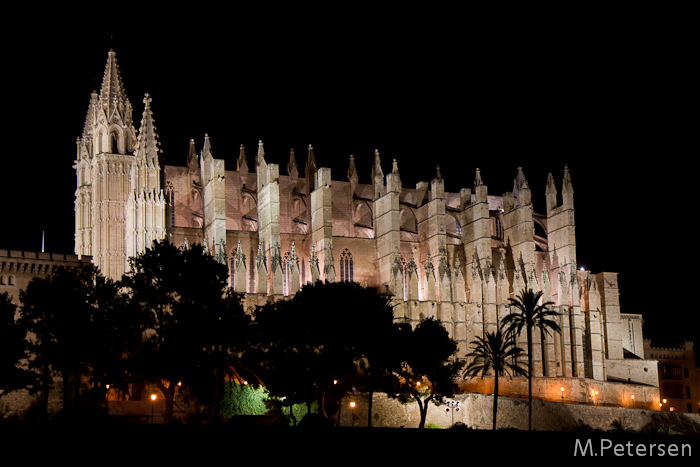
148, 139
112, 98
242, 163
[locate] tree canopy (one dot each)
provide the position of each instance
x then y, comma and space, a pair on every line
318, 344
428, 366
194, 325
69, 321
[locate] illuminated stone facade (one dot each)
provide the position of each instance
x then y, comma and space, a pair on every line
458, 257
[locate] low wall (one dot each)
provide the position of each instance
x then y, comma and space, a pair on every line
475, 411
575, 390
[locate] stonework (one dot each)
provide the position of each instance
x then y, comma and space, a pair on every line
457, 257
679, 377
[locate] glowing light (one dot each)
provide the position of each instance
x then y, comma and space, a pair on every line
352, 404
153, 397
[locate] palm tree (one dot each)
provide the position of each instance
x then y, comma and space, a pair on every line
495, 352
530, 314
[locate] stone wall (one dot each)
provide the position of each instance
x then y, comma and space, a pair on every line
475, 411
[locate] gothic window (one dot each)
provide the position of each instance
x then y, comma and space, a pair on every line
346, 266
115, 143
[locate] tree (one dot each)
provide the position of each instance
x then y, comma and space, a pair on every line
67, 318
311, 346
12, 348
495, 353
428, 369
194, 326
530, 314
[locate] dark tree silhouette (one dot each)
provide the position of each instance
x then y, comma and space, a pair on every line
428, 369
530, 314
69, 320
494, 353
195, 326
12, 349
312, 346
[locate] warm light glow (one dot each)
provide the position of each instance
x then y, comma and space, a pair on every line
664, 401
107, 386
632, 396
562, 389
335, 381
245, 382
153, 397
418, 384
179, 383
352, 404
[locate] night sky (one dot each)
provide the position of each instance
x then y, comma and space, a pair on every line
425, 89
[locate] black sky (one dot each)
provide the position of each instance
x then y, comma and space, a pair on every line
425, 88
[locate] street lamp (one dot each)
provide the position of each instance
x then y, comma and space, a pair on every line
562, 393
153, 405
452, 406
352, 412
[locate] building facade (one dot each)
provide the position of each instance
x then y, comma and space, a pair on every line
679, 378
458, 257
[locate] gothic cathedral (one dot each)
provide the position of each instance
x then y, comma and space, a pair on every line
458, 257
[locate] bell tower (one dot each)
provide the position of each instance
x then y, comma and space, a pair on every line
115, 171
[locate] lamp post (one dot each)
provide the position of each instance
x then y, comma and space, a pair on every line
452, 406
153, 405
352, 413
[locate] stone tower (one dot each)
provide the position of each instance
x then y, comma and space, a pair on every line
119, 203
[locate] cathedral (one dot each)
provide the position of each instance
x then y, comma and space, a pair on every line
458, 257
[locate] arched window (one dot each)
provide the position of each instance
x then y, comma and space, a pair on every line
346, 266
115, 143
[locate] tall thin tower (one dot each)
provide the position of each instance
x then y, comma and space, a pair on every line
119, 206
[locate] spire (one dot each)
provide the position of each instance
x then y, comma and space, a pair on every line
292, 169
112, 96
377, 166
310, 171
567, 187
378, 176
311, 161
192, 154
520, 182
206, 151
148, 139
438, 175
242, 163
352, 170
261, 153
478, 181
521, 188
91, 117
